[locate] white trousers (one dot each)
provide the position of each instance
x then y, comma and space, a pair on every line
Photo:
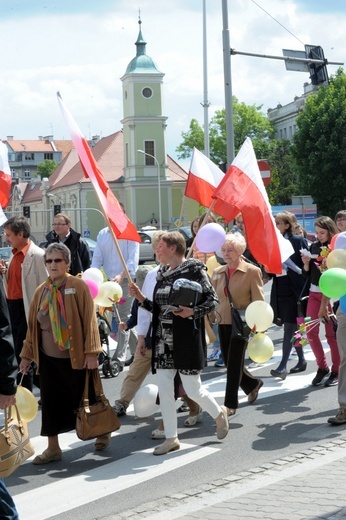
193, 388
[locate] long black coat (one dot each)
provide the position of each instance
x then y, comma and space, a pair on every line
80, 255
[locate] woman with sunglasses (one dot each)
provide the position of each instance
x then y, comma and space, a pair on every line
63, 339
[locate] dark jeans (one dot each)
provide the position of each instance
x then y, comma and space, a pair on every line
19, 328
233, 353
8, 510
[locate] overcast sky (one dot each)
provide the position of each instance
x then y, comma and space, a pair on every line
82, 48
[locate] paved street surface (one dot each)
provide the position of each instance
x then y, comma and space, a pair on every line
281, 460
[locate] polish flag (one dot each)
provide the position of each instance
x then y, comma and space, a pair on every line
242, 191
5, 176
204, 176
121, 224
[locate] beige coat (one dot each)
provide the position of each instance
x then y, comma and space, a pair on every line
81, 323
245, 287
34, 273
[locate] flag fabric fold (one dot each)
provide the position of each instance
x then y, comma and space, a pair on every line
204, 176
5, 176
242, 191
122, 226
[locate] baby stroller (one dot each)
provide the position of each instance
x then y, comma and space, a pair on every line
110, 368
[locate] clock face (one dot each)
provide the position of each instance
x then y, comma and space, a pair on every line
147, 92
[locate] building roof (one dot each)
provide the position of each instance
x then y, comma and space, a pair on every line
141, 63
39, 145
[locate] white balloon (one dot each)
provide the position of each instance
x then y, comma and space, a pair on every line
259, 314
108, 291
145, 401
340, 241
93, 274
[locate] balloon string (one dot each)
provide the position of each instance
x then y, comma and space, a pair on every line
21, 379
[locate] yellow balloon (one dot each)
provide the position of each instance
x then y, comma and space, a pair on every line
212, 264
26, 403
260, 348
259, 314
337, 258
108, 291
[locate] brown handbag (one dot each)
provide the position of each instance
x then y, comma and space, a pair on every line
15, 445
96, 419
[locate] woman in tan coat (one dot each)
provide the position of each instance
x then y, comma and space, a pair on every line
64, 341
244, 283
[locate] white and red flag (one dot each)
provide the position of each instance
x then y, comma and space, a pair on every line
122, 226
5, 176
204, 176
242, 191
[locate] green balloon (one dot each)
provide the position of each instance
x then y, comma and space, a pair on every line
333, 282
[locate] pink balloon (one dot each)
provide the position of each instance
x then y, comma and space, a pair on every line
93, 287
210, 238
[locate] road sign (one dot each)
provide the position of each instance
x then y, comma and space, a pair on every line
86, 233
266, 172
295, 65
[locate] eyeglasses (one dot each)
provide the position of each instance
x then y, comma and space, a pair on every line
59, 224
55, 260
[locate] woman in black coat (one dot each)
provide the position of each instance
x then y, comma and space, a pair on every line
287, 288
178, 337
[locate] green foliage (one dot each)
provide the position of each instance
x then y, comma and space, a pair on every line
46, 168
320, 144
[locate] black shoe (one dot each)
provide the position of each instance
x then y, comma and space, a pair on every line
321, 374
332, 379
129, 361
300, 367
282, 374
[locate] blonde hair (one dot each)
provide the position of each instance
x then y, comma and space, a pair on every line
237, 241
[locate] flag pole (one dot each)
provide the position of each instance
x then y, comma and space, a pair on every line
116, 243
203, 223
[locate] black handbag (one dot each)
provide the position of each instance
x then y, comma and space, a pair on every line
240, 328
185, 292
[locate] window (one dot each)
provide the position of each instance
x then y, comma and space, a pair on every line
48, 156
29, 157
150, 149
126, 154
27, 174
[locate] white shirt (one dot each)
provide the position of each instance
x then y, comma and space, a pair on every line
144, 317
106, 254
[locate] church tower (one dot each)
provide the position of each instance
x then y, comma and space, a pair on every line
146, 183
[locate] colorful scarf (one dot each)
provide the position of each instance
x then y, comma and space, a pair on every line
53, 304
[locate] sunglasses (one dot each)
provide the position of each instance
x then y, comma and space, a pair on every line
55, 260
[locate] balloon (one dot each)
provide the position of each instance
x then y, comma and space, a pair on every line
259, 314
332, 242
145, 401
108, 291
333, 282
260, 348
93, 274
343, 303
210, 238
337, 258
212, 264
27, 404
93, 287
340, 241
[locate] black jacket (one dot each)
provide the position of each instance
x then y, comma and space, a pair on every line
8, 363
80, 255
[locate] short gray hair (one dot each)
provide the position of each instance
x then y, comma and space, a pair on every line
237, 241
58, 247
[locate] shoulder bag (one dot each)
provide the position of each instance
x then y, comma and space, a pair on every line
239, 326
95, 420
15, 445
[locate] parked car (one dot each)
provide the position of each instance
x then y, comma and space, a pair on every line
146, 252
5, 253
92, 244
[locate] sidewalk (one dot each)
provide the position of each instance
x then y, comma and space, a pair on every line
308, 485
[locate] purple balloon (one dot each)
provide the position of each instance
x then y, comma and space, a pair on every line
210, 238
93, 287
343, 303
340, 241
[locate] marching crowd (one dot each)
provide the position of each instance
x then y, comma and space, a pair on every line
55, 335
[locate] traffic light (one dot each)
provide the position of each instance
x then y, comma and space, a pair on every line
26, 211
318, 71
57, 209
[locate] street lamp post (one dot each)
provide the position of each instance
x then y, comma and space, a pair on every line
158, 182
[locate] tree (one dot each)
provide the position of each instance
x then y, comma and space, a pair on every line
248, 121
46, 168
284, 179
319, 146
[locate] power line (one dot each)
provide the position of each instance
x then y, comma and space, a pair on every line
277, 21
